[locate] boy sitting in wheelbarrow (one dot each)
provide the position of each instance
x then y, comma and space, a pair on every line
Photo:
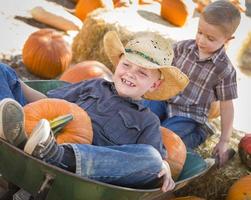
127, 146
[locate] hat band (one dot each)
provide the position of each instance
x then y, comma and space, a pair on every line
142, 55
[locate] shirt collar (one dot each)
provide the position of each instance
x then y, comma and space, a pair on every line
218, 55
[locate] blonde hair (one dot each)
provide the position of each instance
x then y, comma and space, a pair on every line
223, 14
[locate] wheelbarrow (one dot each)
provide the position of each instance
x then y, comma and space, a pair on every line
45, 181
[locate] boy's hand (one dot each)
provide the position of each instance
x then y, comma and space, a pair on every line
220, 152
168, 183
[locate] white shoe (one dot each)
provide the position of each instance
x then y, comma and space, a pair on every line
38, 138
12, 122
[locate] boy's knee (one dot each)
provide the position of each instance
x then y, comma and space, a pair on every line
153, 158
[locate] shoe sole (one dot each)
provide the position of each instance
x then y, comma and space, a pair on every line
13, 135
39, 135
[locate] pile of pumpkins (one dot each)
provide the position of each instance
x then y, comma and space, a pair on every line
46, 53
175, 12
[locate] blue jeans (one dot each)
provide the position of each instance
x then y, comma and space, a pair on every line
188, 129
132, 165
10, 86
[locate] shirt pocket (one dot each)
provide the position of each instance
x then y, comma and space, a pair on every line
121, 129
86, 100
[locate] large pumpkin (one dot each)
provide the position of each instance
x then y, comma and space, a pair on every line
79, 130
46, 53
241, 189
86, 70
176, 151
176, 12
84, 7
214, 110
244, 149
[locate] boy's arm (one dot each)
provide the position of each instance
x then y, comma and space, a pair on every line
227, 117
30, 94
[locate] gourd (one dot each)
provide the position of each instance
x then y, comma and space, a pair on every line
79, 130
46, 53
176, 151
176, 12
244, 150
241, 189
84, 7
214, 110
86, 70
58, 18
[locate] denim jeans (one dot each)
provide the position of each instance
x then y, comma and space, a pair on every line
10, 86
188, 129
132, 165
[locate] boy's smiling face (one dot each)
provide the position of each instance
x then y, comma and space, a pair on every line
133, 81
209, 38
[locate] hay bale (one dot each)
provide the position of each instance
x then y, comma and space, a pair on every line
88, 44
215, 184
244, 56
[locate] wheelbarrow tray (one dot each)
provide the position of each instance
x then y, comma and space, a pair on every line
31, 174
46, 181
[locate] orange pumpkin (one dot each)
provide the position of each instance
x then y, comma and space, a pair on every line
214, 110
121, 3
176, 151
84, 7
176, 12
46, 53
143, 2
86, 70
188, 198
241, 189
79, 130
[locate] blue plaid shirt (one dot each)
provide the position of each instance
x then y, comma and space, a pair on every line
211, 79
116, 120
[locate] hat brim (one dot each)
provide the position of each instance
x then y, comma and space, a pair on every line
173, 82
113, 47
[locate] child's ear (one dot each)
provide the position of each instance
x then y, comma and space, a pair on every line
230, 38
155, 85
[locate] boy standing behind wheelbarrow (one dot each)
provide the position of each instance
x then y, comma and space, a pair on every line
212, 78
127, 145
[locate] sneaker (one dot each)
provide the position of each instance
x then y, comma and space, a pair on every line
12, 122
208, 128
42, 144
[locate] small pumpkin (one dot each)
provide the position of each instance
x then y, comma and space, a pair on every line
46, 53
176, 151
214, 110
79, 130
188, 198
241, 189
84, 7
86, 70
244, 150
143, 2
176, 12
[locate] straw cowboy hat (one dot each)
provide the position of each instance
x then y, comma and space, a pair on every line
151, 51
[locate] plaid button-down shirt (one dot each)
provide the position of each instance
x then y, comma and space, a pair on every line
211, 79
